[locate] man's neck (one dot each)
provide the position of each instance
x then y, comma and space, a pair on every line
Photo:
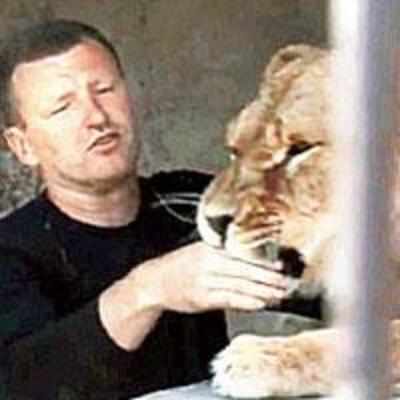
113, 208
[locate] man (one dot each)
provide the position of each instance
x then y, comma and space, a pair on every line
96, 299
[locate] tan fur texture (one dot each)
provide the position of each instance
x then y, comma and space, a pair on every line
277, 189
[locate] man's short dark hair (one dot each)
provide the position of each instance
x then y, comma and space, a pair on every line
34, 43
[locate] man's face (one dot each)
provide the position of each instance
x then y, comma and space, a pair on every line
77, 120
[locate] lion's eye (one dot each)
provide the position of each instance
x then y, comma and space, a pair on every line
232, 156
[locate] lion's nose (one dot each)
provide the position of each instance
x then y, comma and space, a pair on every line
220, 224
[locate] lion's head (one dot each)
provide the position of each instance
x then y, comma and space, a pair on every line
275, 194
275, 189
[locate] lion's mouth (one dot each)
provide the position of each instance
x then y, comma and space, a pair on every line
265, 251
221, 231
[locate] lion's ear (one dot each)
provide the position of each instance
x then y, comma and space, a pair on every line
285, 66
292, 55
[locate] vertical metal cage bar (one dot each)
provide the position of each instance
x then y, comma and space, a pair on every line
363, 33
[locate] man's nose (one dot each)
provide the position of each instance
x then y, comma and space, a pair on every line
96, 113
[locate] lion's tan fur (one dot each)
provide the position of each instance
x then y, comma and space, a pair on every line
278, 188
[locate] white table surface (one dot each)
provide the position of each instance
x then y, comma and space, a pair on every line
202, 391
198, 391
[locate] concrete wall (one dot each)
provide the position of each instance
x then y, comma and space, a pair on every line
191, 63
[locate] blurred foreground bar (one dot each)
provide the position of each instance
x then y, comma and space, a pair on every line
364, 34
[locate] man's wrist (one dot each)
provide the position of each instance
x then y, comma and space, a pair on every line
145, 281
128, 310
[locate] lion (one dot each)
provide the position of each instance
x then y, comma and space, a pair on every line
274, 197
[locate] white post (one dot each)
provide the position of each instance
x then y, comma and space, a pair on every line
363, 34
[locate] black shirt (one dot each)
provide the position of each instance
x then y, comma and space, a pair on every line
52, 269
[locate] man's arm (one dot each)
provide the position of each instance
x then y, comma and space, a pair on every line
91, 350
40, 353
195, 278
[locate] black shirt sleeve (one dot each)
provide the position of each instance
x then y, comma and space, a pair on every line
42, 355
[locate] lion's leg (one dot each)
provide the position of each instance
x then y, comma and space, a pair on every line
253, 366
299, 365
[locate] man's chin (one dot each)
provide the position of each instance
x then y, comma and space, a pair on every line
103, 184
109, 184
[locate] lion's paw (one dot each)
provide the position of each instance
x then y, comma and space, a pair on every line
253, 367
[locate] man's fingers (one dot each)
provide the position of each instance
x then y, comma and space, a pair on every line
236, 269
248, 288
233, 300
212, 280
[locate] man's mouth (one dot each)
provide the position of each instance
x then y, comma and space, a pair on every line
105, 142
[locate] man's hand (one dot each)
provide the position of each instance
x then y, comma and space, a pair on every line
197, 278
192, 279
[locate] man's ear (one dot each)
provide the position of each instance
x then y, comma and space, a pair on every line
21, 146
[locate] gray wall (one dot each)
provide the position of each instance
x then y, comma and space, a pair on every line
191, 63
